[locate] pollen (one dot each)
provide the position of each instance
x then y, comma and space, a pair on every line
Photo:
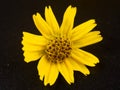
58, 49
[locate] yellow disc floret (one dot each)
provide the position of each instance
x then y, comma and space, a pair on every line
58, 49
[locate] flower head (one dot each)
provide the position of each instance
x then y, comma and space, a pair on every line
58, 48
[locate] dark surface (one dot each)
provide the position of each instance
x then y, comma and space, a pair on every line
16, 17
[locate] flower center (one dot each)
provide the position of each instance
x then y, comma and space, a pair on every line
58, 49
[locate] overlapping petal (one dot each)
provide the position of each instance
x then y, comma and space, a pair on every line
43, 67
82, 29
42, 26
66, 71
51, 75
77, 66
70, 69
88, 39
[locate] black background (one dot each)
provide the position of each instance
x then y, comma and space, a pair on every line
16, 17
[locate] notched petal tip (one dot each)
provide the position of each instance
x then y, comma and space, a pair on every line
41, 78
37, 13
46, 8
34, 15
24, 33
74, 8
49, 7
45, 83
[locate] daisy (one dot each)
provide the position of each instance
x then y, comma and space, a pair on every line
59, 47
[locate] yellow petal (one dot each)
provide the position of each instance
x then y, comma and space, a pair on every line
82, 29
43, 67
51, 20
89, 56
63, 69
92, 33
80, 57
79, 66
53, 74
33, 42
68, 20
42, 26
32, 55
32, 47
70, 69
34, 39
46, 77
88, 39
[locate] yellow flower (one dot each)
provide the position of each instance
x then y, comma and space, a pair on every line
58, 47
